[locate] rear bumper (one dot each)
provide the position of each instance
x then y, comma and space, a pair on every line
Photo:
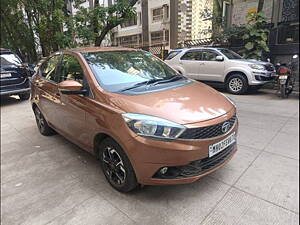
16, 91
17, 88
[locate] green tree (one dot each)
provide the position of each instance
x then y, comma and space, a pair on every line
92, 25
17, 31
256, 36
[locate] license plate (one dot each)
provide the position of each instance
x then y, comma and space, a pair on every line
5, 75
220, 146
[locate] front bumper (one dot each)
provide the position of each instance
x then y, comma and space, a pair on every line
148, 156
262, 77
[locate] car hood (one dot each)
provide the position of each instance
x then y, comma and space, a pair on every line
251, 61
185, 105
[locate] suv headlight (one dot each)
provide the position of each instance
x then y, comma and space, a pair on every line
150, 126
257, 67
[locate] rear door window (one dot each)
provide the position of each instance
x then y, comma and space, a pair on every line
209, 56
48, 69
10, 59
172, 55
192, 55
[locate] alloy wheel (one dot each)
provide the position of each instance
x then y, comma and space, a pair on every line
236, 84
114, 166
40, 120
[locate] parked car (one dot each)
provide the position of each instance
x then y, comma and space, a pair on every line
146, 123
14, 75
223, 66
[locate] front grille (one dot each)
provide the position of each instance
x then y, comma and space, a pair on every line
263, 78
207, 132
270, 68
197, 167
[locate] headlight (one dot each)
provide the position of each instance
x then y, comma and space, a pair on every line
150, 126
257, 67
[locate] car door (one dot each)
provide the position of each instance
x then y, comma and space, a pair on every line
72, 112
46, 84
210, 68
190, 63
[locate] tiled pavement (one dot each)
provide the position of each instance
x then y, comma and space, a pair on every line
48, 180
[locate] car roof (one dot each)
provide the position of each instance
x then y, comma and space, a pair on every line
99, 49
201, 48
5, 51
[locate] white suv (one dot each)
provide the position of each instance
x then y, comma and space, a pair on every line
221, 65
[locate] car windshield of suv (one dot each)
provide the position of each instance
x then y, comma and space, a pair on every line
9, 59
122, 70
230, 54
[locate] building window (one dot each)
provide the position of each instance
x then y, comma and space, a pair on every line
288, 34
130, 22
158, 37
130, 40
157, 14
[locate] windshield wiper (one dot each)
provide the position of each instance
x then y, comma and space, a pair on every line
172, 79
144, 83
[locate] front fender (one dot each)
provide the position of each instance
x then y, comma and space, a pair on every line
243, 70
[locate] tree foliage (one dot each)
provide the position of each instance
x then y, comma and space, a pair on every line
92, 25
256, 36
46, 24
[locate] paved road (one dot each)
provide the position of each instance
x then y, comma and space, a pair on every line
48, 180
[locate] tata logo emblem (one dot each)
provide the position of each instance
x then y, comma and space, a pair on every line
225, 127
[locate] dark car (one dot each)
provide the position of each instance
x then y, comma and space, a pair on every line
14, 75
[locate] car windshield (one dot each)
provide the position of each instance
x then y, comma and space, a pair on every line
9, 59
121, 70
230, 54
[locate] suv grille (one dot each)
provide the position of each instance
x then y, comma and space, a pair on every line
207, 132
270, 68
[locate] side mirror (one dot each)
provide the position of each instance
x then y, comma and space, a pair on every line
219, 58
71, 87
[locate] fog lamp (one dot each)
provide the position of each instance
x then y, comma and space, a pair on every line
163, 170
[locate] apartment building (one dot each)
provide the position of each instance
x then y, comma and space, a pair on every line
158, 22
150, 26
165, 22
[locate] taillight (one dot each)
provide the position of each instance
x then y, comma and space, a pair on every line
282, 71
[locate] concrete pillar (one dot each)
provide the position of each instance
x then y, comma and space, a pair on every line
145, 22
173, 24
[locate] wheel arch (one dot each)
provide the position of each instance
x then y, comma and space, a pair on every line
98, 140
236, 72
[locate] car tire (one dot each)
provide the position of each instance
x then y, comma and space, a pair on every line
237, 84
116, 166
42, 123
24, 96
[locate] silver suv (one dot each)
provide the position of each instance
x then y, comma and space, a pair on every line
221, 65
